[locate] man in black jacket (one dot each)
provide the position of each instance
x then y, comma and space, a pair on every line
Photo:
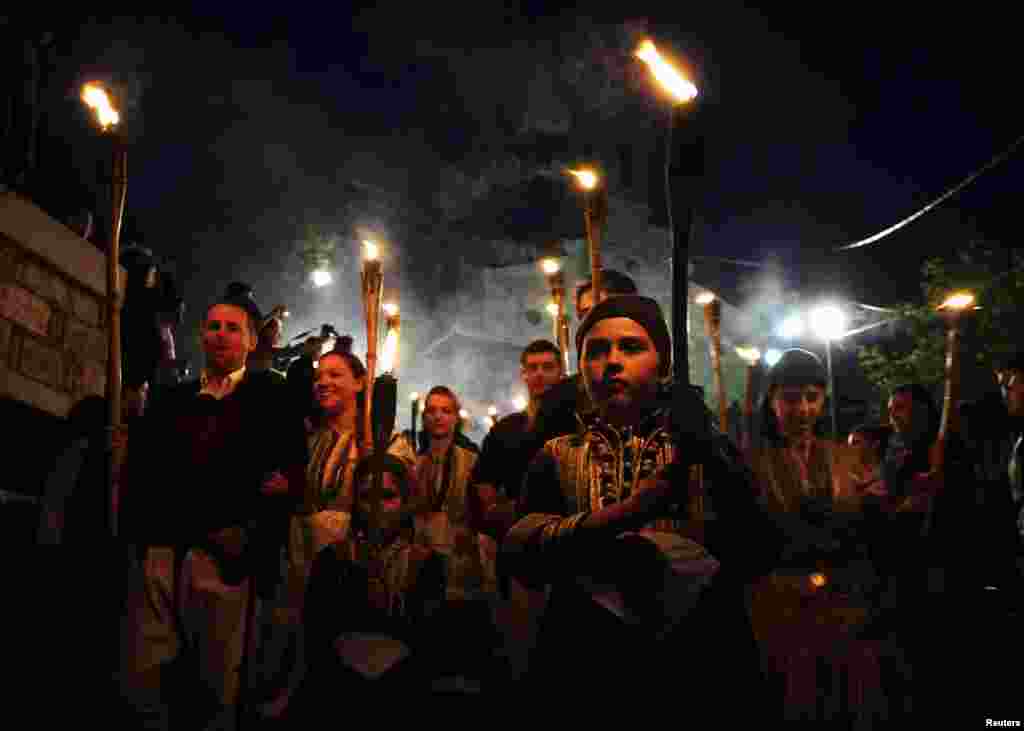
211, 481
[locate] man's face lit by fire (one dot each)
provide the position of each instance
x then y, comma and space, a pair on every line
227, 338
620, 363
335, 385
440, 415
540, 371
797, 409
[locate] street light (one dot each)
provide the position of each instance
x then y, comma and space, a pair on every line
96, 98
828, 322
792, 327
321, 277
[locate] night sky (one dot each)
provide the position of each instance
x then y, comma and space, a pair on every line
830, 125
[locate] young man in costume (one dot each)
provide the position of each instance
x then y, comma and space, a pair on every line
602, 527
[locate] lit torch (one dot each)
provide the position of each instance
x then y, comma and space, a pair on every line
684, 170
952, 311
392, 327
751, 356
560, 322
680, 88
372, 288
108, 118
713, 329
595, 216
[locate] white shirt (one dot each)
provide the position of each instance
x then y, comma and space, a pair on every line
223, 388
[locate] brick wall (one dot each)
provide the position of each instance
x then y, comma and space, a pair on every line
53, 343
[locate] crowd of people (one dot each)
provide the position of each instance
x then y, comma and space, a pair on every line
591, 548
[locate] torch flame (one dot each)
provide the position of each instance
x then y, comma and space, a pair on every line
958, 301
492, 410
390, 309
550, 265
552, 309
818, 580
681, 88
463, 414
414, 396
586, 177
705, 298
750, 355
519, 402
371, 252
96, 99
389, 353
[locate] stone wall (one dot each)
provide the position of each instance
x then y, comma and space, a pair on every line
53, 343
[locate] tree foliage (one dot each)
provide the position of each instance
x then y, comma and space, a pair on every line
996, 277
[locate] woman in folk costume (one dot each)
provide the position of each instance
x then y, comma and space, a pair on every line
803, 610
334, 449
444, 467
442, 522
370, 601
324, 517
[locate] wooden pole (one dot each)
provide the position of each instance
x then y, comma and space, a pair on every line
373, 281
118, 194
595, 214
684, 171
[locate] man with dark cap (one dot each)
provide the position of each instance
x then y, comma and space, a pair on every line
556, 413
600, 524
803, 481
211, 482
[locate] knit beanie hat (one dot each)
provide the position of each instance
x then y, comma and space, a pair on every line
642, 310
798, 367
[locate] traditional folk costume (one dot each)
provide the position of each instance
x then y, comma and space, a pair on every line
368, 610
442, 520
196, 466
808, 609
619, 609
326, 510
366, 623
